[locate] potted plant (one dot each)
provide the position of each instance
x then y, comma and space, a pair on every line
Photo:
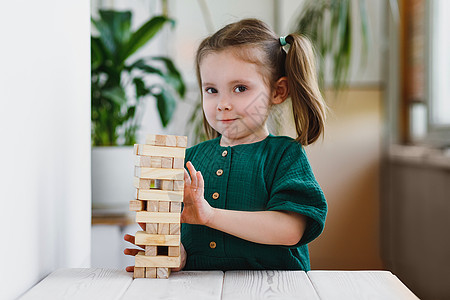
328, 24
120, 82
113, 76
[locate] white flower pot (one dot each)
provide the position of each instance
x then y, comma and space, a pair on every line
112, 177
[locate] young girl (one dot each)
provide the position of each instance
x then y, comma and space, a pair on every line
251, 200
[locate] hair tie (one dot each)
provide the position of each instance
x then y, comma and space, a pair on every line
283, 41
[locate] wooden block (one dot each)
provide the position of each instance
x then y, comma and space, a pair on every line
137, 205
174, 228
142, 183
155, 139
167, 162
178, 163
182, 141
148, 161
164, 206
175, 207
166, 185
156, 261
151, 250
163, 273
159, 173
151, 228
171, 141
142, 161
163, 229
174, 251
150, 150
144, 238
160, 195
136, 149
150, 139
155, 161
153, 205
160, 140
139, 272
150, 273
178, 185
157, 217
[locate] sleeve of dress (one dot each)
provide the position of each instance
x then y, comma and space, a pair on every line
295, 189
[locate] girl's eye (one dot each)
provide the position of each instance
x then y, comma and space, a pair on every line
211, 90
240, 89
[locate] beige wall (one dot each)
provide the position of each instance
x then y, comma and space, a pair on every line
346, 164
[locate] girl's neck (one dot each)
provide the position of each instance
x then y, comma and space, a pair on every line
250, 139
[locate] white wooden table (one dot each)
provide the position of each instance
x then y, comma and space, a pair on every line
235, 285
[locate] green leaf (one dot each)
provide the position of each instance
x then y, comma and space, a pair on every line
116, 94
143, 66
144, 34
106, 36
97, 56
119, 23
130, 113
166, 106
328, 24
173, 77
141, 90
364, 29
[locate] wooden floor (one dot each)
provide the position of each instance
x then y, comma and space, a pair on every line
116, 284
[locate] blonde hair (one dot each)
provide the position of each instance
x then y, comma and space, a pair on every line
253, 41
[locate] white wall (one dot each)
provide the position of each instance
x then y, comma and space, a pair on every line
45, 140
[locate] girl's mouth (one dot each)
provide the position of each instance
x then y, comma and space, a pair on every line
226, 121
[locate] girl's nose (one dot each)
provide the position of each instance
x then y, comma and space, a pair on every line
224, 105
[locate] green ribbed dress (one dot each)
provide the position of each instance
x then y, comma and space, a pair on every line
272, 174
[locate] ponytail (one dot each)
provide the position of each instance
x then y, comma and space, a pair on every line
307, 103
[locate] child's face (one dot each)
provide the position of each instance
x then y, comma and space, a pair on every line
236, 99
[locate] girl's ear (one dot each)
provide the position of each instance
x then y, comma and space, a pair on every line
281, 91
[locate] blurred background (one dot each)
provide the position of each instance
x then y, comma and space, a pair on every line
84, 80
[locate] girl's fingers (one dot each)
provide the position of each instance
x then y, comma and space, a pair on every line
131, 251
201, 182
187, 179
142, 226
193, 172
129, 238
130, 269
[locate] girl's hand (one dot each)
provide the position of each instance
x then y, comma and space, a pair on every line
132, 251
196, 209
183, 259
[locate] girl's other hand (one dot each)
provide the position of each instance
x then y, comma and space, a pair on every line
183, 259
196, 209
132, 251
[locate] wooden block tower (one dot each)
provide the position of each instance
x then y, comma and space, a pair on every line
159, 182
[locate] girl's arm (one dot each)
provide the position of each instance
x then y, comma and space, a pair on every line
265, 227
